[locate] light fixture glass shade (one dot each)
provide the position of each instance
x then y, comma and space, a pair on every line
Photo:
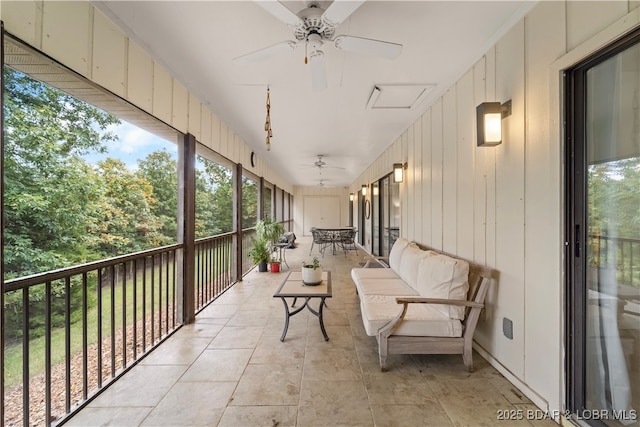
351, 197
364, 189
492, 128
375, 191
489, 123
398, 172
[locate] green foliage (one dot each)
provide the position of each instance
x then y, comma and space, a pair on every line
214, 198
48, 187
260, 251
314, 264
160, 170
269, 230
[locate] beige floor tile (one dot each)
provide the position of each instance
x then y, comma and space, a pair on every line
259, 416
249, 318
397, 388
427, 414
269, 384
237, 337
217, 310
331, 364
334, 403
192, 404
119, 416
144, 385
218, 365
270, 350
340, 337
177, 351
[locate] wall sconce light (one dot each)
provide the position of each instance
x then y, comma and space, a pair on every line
398, 171
364, 189
489, 117
376, 191
351, 197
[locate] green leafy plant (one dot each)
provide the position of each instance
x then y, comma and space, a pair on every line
314, 264
269, 230
260, 251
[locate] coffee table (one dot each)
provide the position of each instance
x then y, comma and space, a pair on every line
293, 287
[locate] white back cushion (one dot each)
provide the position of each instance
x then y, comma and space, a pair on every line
411, 258
441, 276
396, 253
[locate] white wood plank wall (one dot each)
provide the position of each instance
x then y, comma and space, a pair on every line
502, 206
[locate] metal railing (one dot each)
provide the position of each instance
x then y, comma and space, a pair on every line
71, 332
247, 244
214, 268
619, 253
77, 329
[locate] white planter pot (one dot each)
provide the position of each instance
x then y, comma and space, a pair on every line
311, 276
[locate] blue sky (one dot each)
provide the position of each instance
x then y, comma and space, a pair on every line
133, 144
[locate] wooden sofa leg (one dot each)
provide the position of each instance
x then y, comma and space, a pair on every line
467, 357
382, 353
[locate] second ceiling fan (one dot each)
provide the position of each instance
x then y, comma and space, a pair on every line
313, 27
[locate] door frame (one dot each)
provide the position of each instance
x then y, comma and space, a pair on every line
574, 99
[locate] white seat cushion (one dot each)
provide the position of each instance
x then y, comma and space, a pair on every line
420, 320
441, 276
396, 287
411, 258
373, 273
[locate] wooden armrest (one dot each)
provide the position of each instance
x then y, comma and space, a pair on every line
420, 300
378, 259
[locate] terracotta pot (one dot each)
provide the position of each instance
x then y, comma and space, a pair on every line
275, 267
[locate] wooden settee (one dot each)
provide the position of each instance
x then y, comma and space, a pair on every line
423, 302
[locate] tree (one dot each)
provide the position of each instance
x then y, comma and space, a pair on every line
124, 221
160, 169
48, 187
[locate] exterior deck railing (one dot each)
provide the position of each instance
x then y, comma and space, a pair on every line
77, 329
73, 331
214, 268
619, 253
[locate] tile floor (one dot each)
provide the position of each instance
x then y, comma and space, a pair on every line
230, 369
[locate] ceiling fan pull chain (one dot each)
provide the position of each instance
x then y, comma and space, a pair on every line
306, 43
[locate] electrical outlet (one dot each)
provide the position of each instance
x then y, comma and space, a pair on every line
507, 328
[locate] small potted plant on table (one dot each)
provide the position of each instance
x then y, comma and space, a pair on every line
312, 272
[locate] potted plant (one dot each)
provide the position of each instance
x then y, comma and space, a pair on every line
312, 272
274, 265
260, 254
268, 230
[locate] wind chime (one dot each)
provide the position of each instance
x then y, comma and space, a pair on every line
267, 123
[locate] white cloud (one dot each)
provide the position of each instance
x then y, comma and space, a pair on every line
132, 139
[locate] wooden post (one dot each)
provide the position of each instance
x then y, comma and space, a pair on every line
187, 228
237, 221
260, 214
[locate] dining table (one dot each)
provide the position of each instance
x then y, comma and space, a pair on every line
333, 235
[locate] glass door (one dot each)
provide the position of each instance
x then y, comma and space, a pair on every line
375, 218
603, 226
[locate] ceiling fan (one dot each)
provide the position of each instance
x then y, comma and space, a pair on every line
322, 183
314, 27
321, 164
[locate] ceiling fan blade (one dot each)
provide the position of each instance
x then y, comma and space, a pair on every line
340, 10
258, 55
318, 72
368, 46
280, 11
